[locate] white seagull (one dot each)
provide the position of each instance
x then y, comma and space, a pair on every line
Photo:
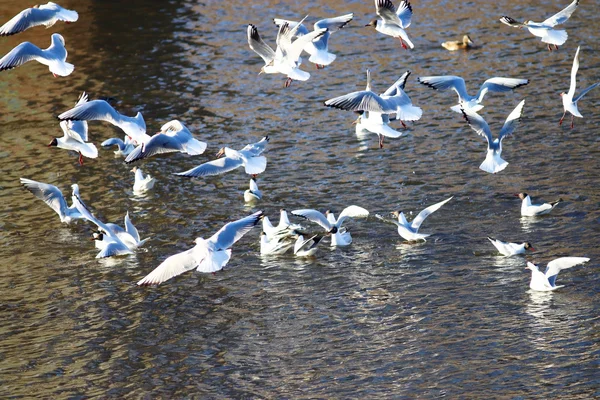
275, 245
545, 29
286, 58
252, 193
54, 56
249, 157
173, 137
570, 103
75, 136
306, 247
473, 103
318, 48
46, 14
142, 183
101, 110
52, 196
510, 249
208, 255
410, 231
124, 146
284, 229
111, 241
393, 22
339, 235
546, 281
532, 210
493, 162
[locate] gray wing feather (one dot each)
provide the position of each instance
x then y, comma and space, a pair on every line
314, 216
20, 55
478, 124
215, 167
50, 194
259, 46
96, 110
584, 91
364, 100
158, 144
499, 84
511, 121
233, 231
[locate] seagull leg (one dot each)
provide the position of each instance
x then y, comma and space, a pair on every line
549, 48
572, 121
381, 141
562, 119
402, 43
54, 74
80, 159
288, 82
403, 124
555, 47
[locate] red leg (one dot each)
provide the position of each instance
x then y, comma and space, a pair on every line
572, 121
54, 74
80, 159
549, 48
562, 119
402, 43
380, 141
555, 47
403, 124
288, 82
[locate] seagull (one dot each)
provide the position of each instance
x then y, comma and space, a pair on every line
208, 255
496, 84
124, 146
493, 163
54, 56
308, 247
570, 104
46, 14
545, 282
275, 245
532, 210
375, 108
465, 44
173, 136
410, 231
510, 249
75, 136
545, 29
318, 48
286, 58
284, 228
339, 235
393, 23
52, 196
129, 236
253, 193
101, 110
142, 183
249, 157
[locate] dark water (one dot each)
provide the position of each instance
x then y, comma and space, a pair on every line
380, 319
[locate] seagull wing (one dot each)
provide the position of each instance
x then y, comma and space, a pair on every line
404, 13
302, 30
574, 70
257, 148
555, 266
83, 210
335, 23
158, 144
446, 82
498, 84
400, 83
50, 194
364, 100
511, 121
416, 223
314, 216
96, 110
561, 16
215, 167
233, 231
173, 265
114, 248
259, 46
351, 212
131, 229
386, 10
584, 91
478, 124
27, 19
20, 55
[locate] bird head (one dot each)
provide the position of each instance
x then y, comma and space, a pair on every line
373, 23
528, 246
521, 195
54, 142
134, 169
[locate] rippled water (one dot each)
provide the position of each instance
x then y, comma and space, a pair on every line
380, 319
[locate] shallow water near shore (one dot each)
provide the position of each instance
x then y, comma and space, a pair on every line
381, 318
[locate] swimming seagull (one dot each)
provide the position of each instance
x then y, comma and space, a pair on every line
339, 235
54, 56
473, 103
286, 58
284, 229
306, 247
124, 146
75, 136
46, 14
101, 110
173, 137
546, 281
393, 22
532, 210
493, 162
275, 245
510, 249
52, 196
318, 48
253, 193
570, 104
110, 241
208, 255
545, 29
410, 231
249, 157
142, 183
376, 109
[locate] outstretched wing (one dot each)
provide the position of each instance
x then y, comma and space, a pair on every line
499, 84
400, 83
351, 212
584, 91
233, 231
20, 55
131, 229
446, 82
404, 13
478, 124
314, 216
335, 23
416, 223
259, 46
511, 121
158, 144
302, 30
561, 16
50, 194
555, 266
386, 10
364, 100
215, 167
174, 265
